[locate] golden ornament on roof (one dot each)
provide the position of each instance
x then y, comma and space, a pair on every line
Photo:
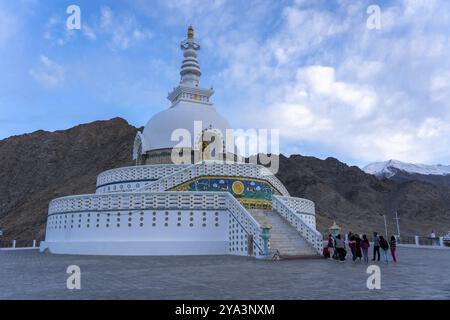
190, 32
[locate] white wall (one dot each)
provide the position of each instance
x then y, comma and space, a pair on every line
140, 232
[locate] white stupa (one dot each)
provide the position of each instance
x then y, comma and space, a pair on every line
202, 207
190, 104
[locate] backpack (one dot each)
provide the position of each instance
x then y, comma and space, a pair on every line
384, 244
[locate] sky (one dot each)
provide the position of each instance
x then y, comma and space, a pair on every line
312, 69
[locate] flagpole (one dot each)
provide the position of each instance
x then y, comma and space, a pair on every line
398, 225
385, 226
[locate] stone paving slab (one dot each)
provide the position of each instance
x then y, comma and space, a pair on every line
420, 274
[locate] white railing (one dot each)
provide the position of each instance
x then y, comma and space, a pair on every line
138, 201
18, 244
163, 200
304, 208
136, 173
311, 235
248, 223
245, 170
270, 177
422, 241
299, 205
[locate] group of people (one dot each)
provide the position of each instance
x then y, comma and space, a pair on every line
359, 247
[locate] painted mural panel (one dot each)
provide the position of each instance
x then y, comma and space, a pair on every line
251, 192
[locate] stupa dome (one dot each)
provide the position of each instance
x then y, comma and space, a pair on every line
159, 129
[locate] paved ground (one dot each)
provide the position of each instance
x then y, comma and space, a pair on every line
420, 274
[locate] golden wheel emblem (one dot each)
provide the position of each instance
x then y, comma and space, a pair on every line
237, 187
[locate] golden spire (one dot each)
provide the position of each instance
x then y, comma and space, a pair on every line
190, 32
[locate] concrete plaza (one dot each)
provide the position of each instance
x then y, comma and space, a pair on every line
27, 274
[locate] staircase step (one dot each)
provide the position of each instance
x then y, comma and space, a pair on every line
301, 256
283, 236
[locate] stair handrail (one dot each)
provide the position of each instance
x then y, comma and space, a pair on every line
311, 235
235, 207
299, 205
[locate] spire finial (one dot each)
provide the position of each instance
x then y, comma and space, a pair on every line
190, 32
190, 69
190, 73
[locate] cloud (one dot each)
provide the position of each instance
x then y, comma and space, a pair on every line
440, 86
328, 82
106, 18
89, 32
49, 75
124, 29
303, 31
8, 27
321, 81
56, 31
433, 128
310, 68
121, 30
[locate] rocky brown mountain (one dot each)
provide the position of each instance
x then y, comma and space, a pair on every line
403, 176
357, 201
38, 167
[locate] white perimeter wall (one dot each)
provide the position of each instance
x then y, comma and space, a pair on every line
164, 232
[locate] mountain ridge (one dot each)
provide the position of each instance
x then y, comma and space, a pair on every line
387, 168
395, 170
38, 167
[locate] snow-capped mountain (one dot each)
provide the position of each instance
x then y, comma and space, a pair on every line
388, 169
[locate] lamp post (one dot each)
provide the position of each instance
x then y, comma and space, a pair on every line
266, 237
385, 225
398, 225
334, 229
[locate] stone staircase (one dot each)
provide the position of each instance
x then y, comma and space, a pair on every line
284, 237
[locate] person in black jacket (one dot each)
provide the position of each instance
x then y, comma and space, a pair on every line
340, 247
393, 245
384, 245
376, 246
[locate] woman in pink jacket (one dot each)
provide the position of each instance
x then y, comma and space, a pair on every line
365, 248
